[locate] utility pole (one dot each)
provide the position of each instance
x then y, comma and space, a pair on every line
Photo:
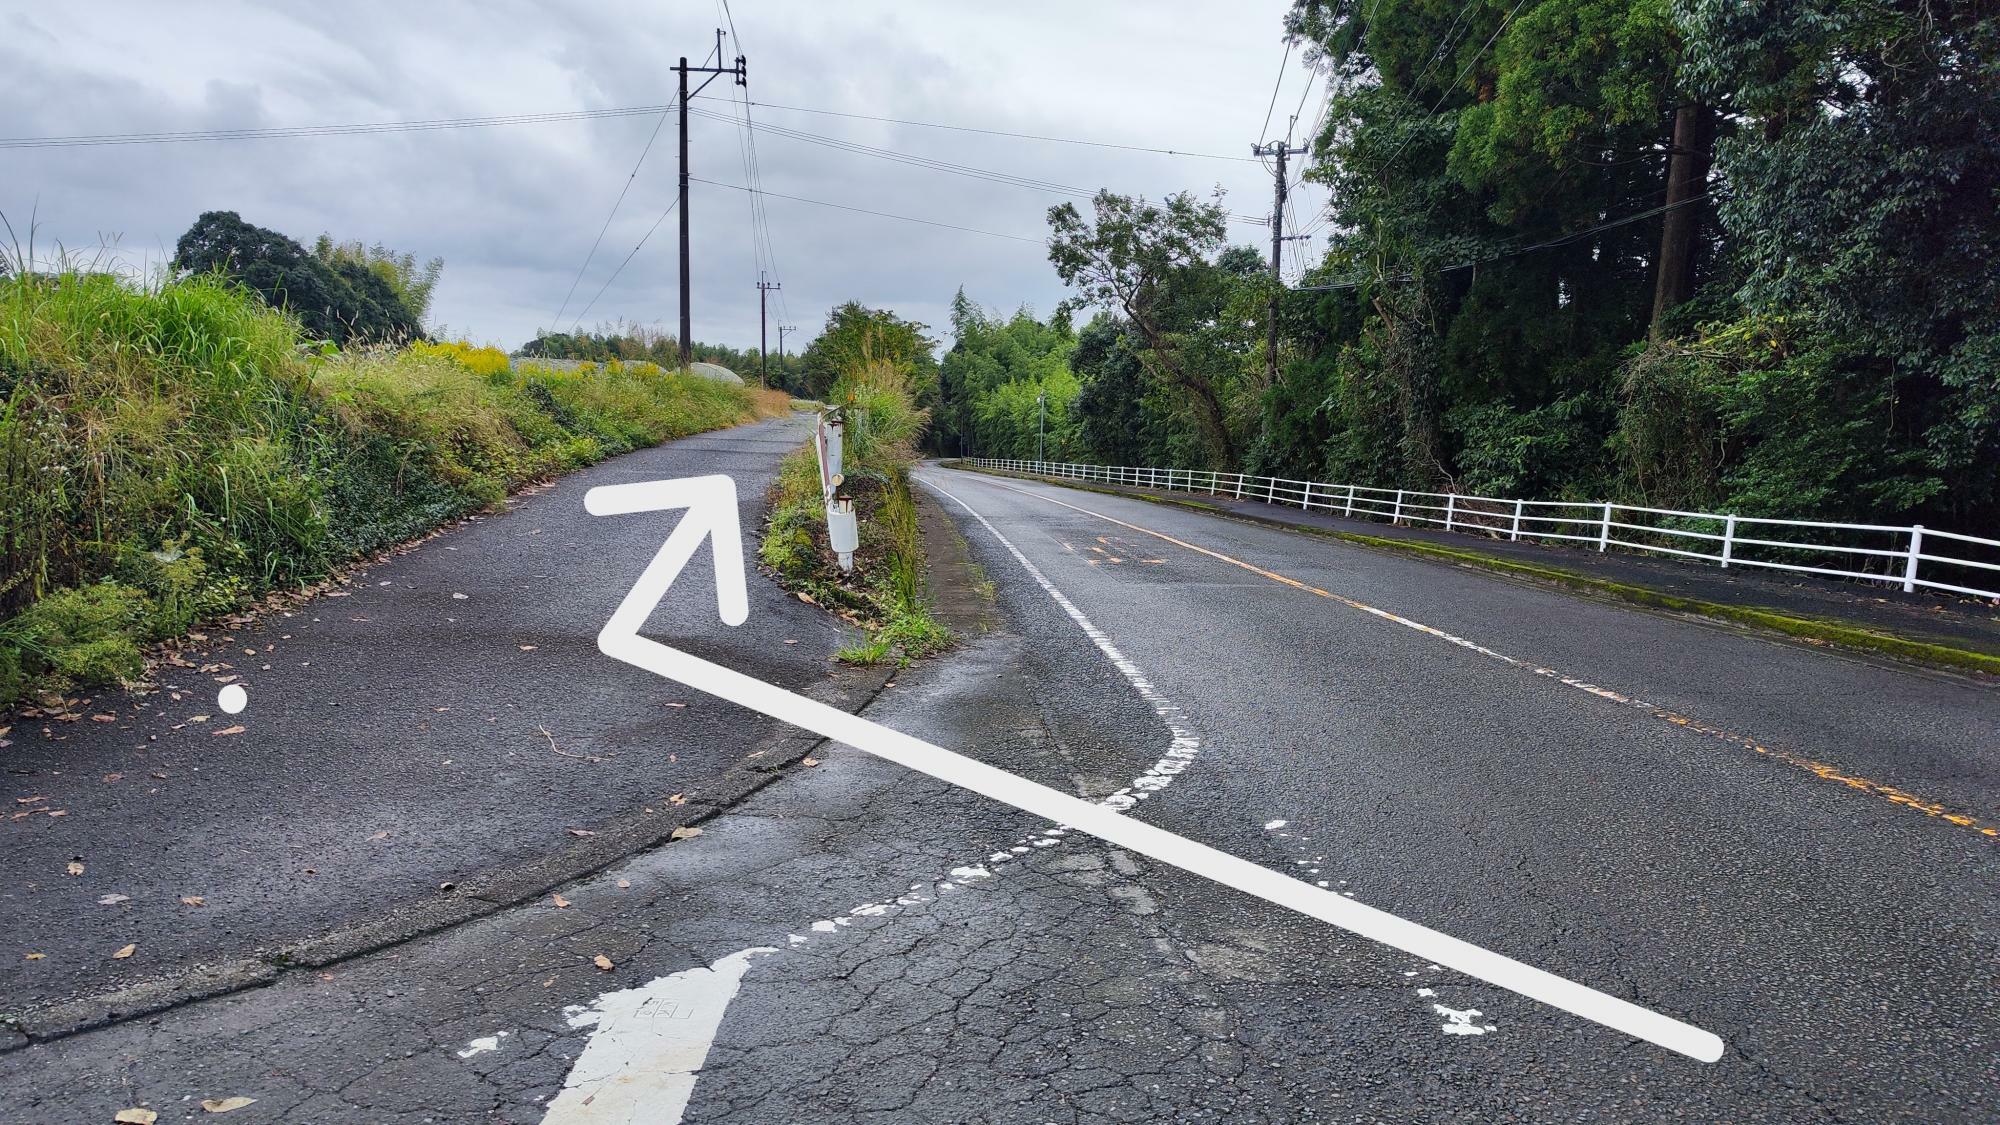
782, 329
763, 346
1041, 418
742, 72
1281, 150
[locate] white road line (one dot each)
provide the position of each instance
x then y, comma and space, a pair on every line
712, 509
666, 1058
640, 1065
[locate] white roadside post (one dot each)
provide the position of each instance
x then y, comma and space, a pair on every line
1396, 514
1916, 555
1604, 530
1450, 507
1349, 511
843, 530
1728, 539
1515, 535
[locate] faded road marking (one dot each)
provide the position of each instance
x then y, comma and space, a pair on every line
1819, 769
648, 1046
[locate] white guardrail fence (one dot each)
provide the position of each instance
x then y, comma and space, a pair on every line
1730, 540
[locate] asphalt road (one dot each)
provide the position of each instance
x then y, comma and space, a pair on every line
444, 715
1781, 845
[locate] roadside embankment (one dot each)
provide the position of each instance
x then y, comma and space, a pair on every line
171, 450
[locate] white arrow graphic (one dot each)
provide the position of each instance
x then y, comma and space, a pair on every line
711, 504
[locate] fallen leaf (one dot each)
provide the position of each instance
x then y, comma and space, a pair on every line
136, 1117
28, 800
685, 832
459, 597
527, 648
602, 962
104, 718
75, 867
111, 777
128, 951
580, 832
677, 799
382, 835
224, 1105
790, 642
193, 900
561, 902
807, 598
682, 706
809, 761
624, 884
197, 718
113, 899
237, 729
36, 956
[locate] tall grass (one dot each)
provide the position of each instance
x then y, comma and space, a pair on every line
169, 447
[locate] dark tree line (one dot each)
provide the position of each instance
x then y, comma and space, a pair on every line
1730, 254
337, 294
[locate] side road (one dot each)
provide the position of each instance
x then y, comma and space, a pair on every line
436, 738
1931, 628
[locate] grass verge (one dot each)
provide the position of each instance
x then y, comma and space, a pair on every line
884, 594
169, 450
1812, 630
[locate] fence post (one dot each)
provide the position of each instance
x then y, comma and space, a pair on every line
1515, 535
1350, 502
1271, 496
1604, 532
1728, 539
1916, 553
1239, 486
1307, 504
1396, 514
1450, 506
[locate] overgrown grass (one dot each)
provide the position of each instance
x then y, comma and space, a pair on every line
886, 592
169, 449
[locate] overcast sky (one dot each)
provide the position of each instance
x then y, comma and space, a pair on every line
514, 209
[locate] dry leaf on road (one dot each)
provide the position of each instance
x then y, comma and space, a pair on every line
136, 1117
237, 729
113, 899
602, 962
193, 900
579, 832
809, 761
382, 835
128, 951
36, 956
224, 1105
685, 832
561, 902
76, 867
624, 884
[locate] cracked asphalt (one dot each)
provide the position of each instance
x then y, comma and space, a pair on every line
940, 958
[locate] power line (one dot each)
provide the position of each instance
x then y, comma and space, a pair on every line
1562, 240
615, 204
281, 132
866, 211
1265, 128
1462, 72
1005, 133
936, 165
623, 264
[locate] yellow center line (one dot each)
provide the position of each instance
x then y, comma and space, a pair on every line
1819, 769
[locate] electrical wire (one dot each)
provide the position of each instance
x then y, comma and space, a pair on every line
866, 211
1264, 129
615, 204
621, 266
281, 132
1005, 133
1562, 240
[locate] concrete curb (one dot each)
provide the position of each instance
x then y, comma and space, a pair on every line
480, 895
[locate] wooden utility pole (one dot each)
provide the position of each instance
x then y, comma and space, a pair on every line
742, 72
763, 345
1281, 150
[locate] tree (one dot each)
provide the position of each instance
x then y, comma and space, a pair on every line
856, 335
413, 284
1149, 263
345, 303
